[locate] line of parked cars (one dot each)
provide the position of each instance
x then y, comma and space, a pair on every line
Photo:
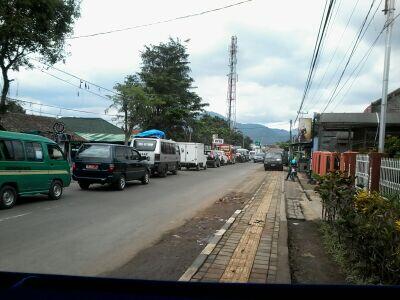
32, 164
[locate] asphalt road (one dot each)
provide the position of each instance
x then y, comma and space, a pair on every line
96, 231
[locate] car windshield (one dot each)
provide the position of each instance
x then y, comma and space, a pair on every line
95, 151
144, 144
165, 131
271, 155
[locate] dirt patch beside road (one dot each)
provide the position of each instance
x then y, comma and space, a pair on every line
169, 258
309, 263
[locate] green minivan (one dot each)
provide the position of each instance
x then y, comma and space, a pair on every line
30, 164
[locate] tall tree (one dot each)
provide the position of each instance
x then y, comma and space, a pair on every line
133, 104
33, 26
165, 73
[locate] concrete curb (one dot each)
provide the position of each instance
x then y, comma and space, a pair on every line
283, 268
212, 243
303, 190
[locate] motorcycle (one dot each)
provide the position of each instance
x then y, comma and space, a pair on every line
293, 172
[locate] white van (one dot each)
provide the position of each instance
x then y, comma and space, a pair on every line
163, 155
192, 155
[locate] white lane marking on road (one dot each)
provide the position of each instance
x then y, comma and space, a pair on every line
14, 217
48, 208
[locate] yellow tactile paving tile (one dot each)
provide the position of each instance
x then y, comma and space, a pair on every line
240, 265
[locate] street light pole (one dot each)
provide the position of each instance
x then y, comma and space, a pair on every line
389, 10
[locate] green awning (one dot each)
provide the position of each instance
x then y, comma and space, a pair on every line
102, 137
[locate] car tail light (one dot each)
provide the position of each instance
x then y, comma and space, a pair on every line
74, 167
157, 157
111, 168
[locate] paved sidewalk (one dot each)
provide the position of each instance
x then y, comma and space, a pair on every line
312, 209
252, 247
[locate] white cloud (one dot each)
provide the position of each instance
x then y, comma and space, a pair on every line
275, 42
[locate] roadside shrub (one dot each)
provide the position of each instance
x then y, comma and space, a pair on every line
337, 191
366, 225
392, 146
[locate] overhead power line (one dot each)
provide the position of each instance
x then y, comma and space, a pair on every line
44, 113
62, 108
360, 66
360, 35
73, 75
317, 46
70, 83
162, 21
322, 50
313, 98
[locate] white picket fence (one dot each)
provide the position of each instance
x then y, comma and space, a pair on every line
362, 171
389, 182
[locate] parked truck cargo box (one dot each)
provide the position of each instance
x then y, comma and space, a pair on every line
193, 155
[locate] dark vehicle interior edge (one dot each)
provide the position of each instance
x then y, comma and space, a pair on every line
42, 286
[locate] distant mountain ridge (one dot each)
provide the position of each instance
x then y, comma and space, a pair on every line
259, 132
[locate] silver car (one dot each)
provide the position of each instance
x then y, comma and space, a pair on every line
259, 157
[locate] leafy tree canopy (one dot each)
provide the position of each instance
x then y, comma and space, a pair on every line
392, 146
283, 145
132, 103
33, 27
165, 74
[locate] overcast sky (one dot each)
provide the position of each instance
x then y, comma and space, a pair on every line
275, 44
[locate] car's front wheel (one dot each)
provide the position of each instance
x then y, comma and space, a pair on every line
8, 196
56, 190
146, 178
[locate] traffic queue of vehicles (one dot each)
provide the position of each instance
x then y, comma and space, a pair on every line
32, 164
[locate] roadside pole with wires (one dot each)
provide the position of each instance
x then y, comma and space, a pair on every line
290, 140
389, 10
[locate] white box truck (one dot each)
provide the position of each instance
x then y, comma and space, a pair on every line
192, 155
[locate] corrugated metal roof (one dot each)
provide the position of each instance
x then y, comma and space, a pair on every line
40, 125
90, 125
358, 118
102, 137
